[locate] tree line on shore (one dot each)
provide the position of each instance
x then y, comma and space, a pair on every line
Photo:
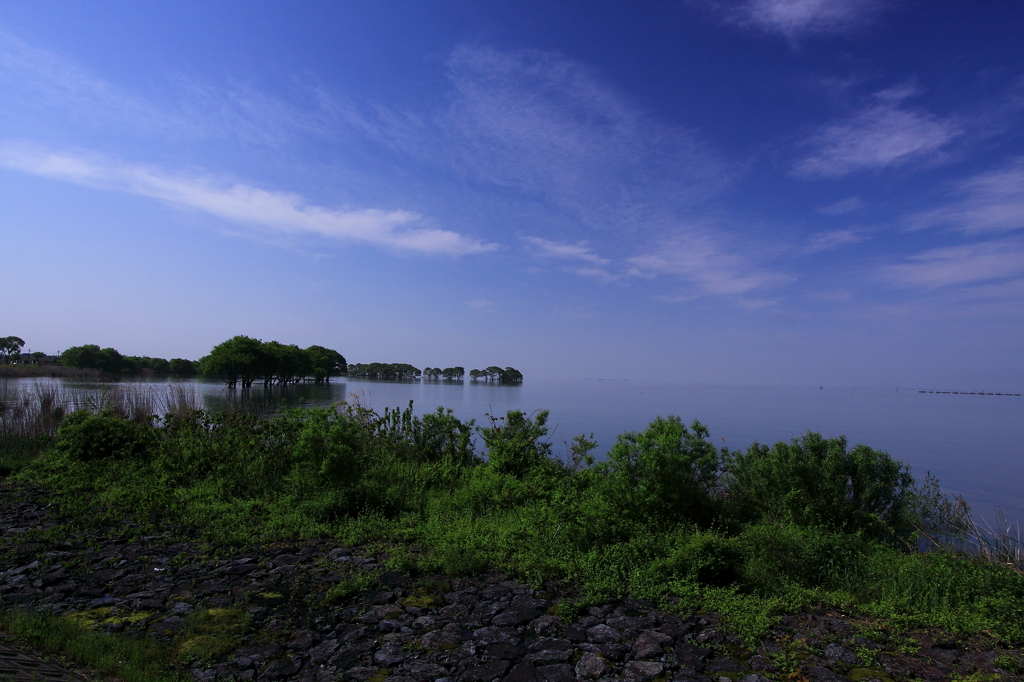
91, 356
383, 370
243, 361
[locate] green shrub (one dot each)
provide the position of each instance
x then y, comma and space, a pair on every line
664, 473
85, 436
514, 444
814, 481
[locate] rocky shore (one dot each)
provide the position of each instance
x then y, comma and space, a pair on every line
302, 611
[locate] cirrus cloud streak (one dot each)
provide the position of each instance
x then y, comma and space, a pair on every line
281, 212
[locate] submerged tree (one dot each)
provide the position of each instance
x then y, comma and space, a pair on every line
325, 362
239, 360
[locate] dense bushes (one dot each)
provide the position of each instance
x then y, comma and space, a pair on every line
666, 514
814, 481
85, 437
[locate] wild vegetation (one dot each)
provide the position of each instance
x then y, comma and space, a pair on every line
666, 514
241, 360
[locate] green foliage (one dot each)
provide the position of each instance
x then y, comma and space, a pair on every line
130, 659
349, 587
182, 367
814, 481
10, 348
91, 356
324, 362
85, 437
664, 473
240, 359
110, 361
384, 370
514, 445
509, 375
665, 517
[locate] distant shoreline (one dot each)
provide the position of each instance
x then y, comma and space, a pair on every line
29, 371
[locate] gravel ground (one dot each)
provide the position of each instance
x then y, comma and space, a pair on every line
262, 615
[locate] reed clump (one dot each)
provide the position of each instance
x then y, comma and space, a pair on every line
31, 416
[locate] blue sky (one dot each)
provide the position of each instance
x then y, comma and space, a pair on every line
759, 191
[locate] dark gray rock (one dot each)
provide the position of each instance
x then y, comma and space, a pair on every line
550, 643
650, 644
557, 673
642, 671
492, 635
548, 657
590, 666
390, 654
514, 617
484, 672
724, 665
837, 652
279, 670
602, 634
691, 656
574, 634
524, 672
822, 674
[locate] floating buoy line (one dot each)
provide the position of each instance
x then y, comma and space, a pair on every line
970, 393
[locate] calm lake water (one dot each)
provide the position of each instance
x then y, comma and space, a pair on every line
973, 444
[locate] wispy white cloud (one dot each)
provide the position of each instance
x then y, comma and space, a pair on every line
798, 18
551, 128
842, 207
480, 304
969, 264
990, 202
578, 251
44, 83
32, 76
597, 273
697, 259
884, 134
833, 239
280, 212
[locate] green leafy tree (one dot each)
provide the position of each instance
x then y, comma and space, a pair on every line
453, 372
239, 360
381, 370
325, 362
91, 356
286, 364
511, 375
10, 348
493, 373
182, 367
475, 374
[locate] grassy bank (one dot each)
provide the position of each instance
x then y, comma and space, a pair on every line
667, 516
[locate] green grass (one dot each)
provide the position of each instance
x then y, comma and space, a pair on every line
131, 660
666, 517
